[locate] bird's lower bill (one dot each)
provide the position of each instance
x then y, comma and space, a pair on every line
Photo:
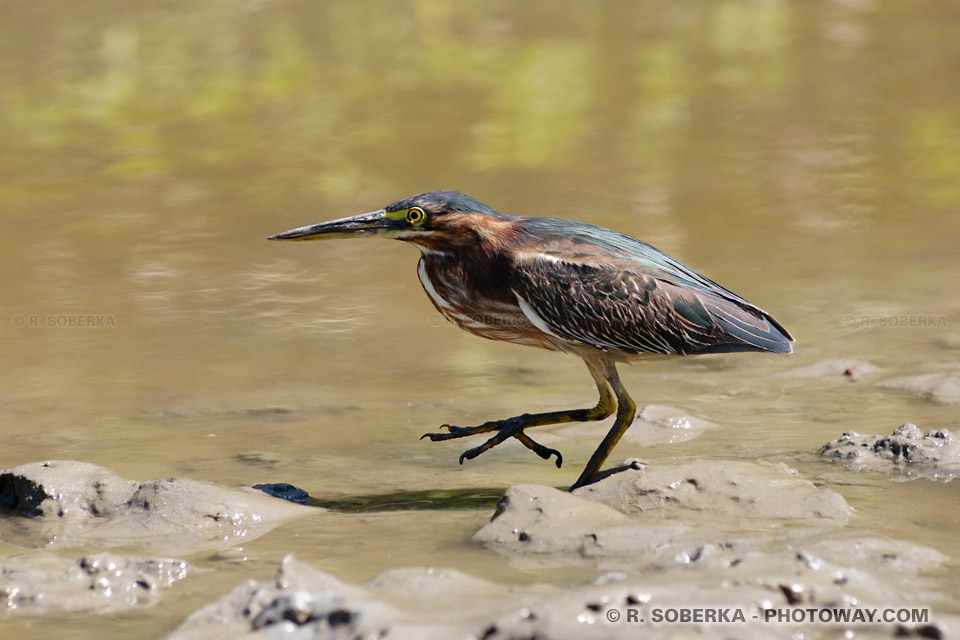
369, 225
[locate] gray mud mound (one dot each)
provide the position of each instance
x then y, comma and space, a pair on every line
303, 602
101, 583
432, 604
939, 387
659, 424
671, 515
906, 453
655, 424
720, 490
69, 503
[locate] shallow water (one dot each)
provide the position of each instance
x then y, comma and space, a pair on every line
805, 155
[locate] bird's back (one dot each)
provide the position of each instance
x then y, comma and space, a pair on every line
608, 290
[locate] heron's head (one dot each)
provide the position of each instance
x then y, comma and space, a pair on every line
436, 221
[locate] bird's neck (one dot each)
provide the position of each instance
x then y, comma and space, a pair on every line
467, 235
433, 252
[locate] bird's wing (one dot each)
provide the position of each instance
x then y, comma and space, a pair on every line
617, 304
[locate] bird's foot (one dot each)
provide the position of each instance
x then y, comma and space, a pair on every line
510, 428
525, 440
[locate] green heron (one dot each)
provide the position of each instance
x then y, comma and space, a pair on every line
560, 285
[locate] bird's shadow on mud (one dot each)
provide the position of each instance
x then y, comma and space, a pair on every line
427, 500
431, 499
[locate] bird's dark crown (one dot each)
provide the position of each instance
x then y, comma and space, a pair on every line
441, 202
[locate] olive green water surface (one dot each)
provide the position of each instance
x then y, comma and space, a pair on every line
804, 154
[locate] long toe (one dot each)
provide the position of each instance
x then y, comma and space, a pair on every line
452, 432
460, 432
539, 449
499, 437
435, 437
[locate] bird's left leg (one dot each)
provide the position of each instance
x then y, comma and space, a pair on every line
514, 427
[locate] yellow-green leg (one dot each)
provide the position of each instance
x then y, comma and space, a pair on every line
513, 427
626, 409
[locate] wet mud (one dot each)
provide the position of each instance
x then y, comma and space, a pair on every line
745, 537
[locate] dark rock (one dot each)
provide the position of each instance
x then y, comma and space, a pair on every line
285, 491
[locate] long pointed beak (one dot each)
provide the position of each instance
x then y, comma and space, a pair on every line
365, 225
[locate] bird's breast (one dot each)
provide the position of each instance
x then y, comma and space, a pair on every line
477, 306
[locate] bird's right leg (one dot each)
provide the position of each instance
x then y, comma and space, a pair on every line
514, 427
626, 410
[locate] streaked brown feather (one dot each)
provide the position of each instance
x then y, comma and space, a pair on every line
613, 305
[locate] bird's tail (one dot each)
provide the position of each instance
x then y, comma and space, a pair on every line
746, 329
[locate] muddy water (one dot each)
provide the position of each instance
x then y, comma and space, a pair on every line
805, 155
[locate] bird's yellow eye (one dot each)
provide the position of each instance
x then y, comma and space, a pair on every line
415, 215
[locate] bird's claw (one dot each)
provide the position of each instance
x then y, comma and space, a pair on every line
505, 429
513, 432
452, 432
546, 452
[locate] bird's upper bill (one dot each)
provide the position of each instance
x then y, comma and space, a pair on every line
373, 224
434, 218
